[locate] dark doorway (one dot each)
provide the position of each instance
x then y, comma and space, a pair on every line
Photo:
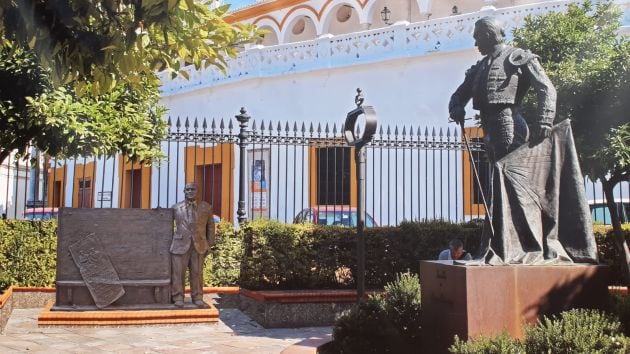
333, 176
85, 193
56, 194
208, 179
133, 181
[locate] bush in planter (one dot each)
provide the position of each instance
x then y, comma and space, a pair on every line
574, 331
386, 323
28, 252
502, 344
222, 266
577, 331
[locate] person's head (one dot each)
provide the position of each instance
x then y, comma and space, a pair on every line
190, 191
457, 248
488, 33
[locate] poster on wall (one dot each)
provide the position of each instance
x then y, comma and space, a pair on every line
259, 167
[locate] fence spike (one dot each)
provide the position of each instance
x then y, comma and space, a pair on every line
204, 124
380, 131
404, 132
433, 132
262, 125
279, 129
286, 127
195, 124
426, 132
222, 124
326, 130
295, 128
169, 123
213, 125
254, 125
230, 125
448, 132
441, 134
186, 123
310, 129
455, 133
270, 128
303, 128
178, 123
419, 132
389, 131
334, 129
319, 128
396, 131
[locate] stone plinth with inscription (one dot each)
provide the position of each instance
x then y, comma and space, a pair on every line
473, 300
113, 259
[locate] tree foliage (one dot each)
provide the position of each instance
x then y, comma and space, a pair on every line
588, 63
79, 76
111, 40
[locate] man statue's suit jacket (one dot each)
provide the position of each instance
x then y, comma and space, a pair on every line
192, 224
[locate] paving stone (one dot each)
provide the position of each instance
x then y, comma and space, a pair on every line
235, 333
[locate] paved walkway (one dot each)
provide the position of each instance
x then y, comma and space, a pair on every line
234, 333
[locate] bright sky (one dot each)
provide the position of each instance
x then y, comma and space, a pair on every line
237, 4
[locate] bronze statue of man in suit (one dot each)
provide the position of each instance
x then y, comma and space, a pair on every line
194, 235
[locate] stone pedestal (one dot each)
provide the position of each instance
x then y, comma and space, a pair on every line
474, 300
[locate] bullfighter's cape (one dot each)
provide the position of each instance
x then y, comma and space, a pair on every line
539, 209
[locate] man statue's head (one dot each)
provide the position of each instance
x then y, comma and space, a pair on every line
190, 191
488, 33
457, 248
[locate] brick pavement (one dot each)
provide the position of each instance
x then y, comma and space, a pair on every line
235, 333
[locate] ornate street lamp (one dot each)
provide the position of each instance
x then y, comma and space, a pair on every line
357, 139
385, 15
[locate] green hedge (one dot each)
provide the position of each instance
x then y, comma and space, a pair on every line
608, 253
271, 255
28, 252
281, 256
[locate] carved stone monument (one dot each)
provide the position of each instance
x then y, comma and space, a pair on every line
113, 259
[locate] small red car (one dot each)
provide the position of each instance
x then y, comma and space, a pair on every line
343, 215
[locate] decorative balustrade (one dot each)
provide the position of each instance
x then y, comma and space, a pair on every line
400, 40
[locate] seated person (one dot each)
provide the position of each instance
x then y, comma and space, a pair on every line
454, 252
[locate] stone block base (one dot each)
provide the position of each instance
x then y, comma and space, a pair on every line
290, 309
188, 314
473, 300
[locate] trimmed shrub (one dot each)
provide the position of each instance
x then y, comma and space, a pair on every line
577, 331
305, 256
621, 308
403, 306
366, 328
28, 253
574, 331
223, 265
501, 344
608, 253
387, 323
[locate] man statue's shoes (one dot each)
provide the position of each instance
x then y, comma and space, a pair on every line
200, 303
179, 303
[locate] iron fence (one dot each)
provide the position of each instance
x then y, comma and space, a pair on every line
284, 171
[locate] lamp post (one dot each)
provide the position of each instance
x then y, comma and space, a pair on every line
385, 15
354, 138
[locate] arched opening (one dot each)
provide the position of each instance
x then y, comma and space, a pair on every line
400, 10
301, 28
341, 19
269, 38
